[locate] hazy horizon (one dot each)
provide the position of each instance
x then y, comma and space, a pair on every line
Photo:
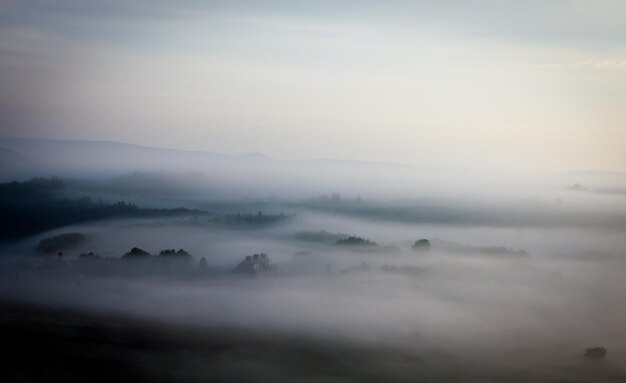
304, 159
488, 85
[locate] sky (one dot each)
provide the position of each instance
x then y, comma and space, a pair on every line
535, 86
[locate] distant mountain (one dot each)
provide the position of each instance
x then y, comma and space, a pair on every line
243, 175
115, 157
257, 175
102, 157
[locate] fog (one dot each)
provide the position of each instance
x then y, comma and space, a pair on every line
541, 310
312, 191
517, 280
195, 175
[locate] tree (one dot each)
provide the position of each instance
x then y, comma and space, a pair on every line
136, 252
422, 245
355, 241
174, 254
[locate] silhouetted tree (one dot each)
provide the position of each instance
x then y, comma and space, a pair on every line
174, 254
59, 242
356, 241
595, 353
136, 252
421, 245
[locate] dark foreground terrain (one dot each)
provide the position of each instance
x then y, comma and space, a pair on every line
64, 345
46, 345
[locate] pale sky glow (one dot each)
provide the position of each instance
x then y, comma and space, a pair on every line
507, 85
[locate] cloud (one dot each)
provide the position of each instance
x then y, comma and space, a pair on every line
602, 64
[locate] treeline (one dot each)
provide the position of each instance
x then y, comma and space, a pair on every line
31, 207
249, 219
136, 262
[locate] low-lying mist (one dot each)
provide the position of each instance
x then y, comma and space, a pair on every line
510, 275
540, 309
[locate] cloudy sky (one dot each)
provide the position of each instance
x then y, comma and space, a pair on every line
481, 84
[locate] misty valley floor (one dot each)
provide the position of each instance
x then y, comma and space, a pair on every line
45, 345
348, 293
